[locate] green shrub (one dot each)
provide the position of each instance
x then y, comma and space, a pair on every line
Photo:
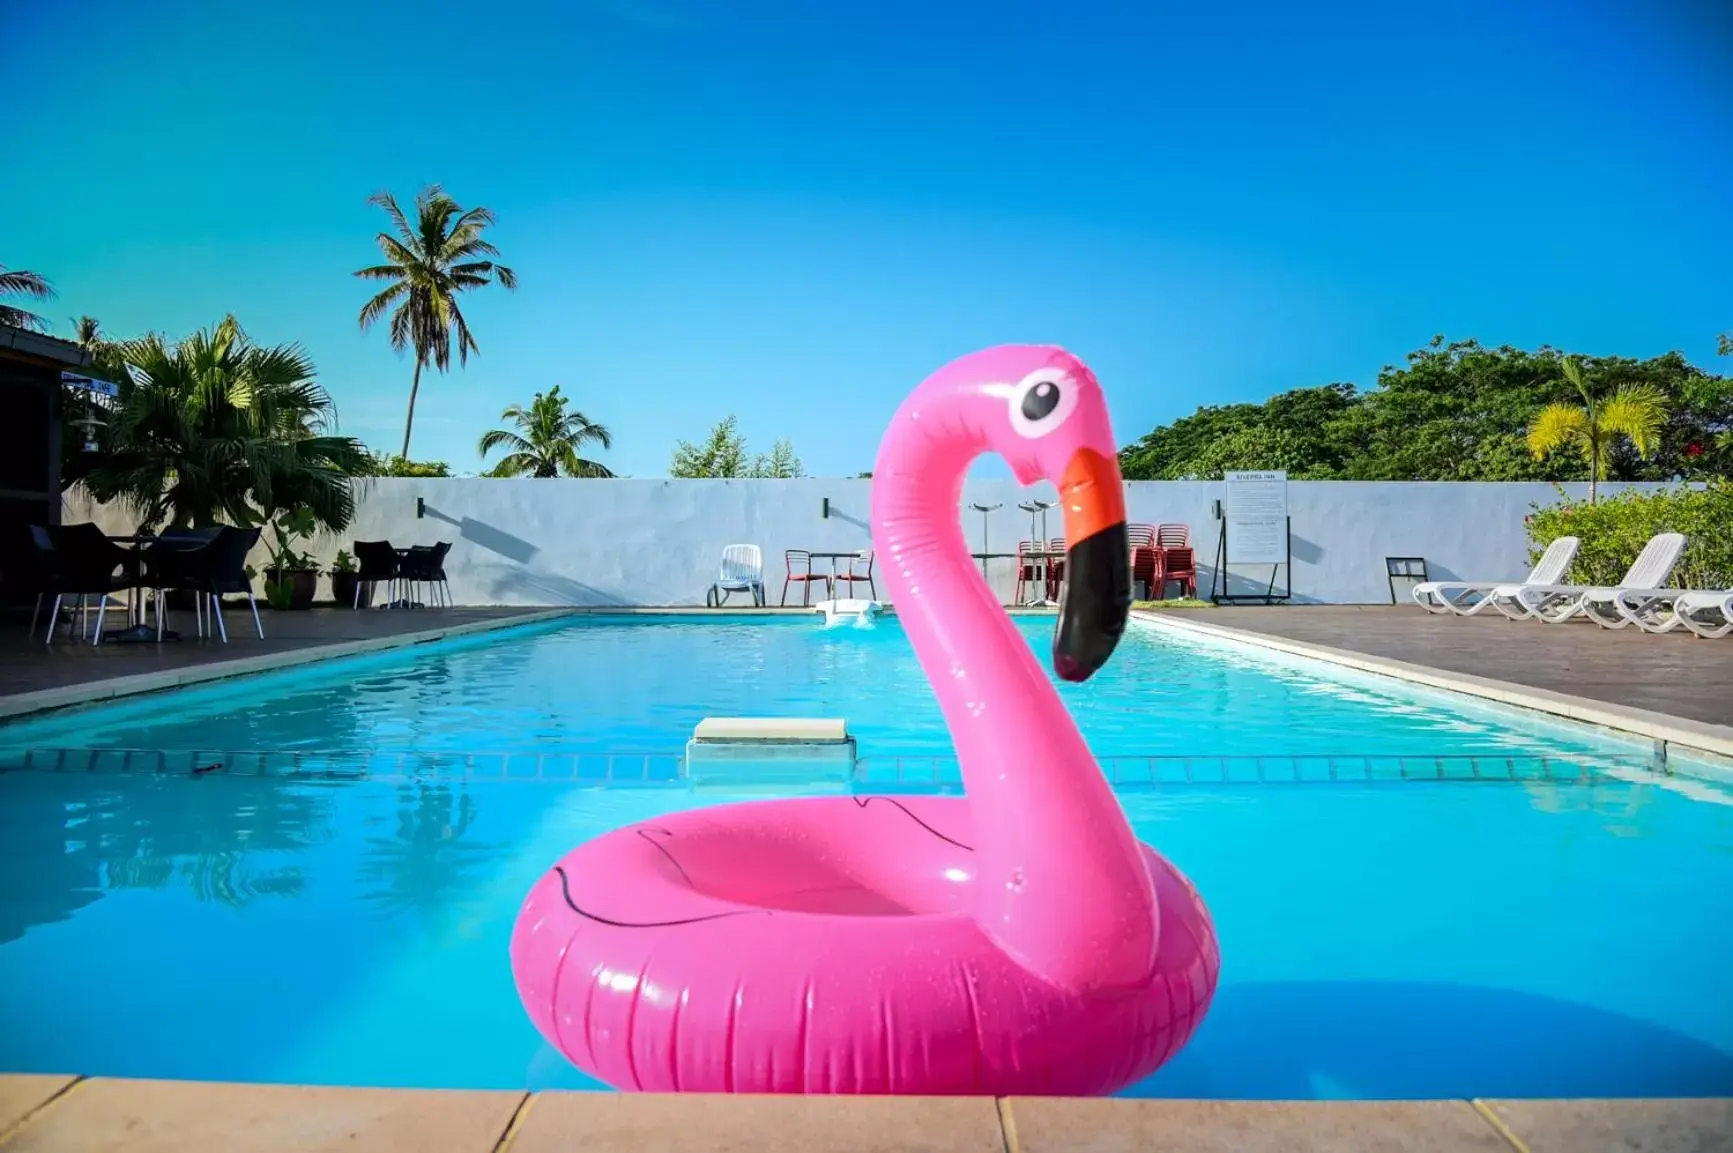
1614, 531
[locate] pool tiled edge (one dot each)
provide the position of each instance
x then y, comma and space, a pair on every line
88, 692
48, 1114
1687, 733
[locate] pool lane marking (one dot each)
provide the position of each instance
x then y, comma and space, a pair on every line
1008, 1125
1499, 1123
515, 1124
17, 1126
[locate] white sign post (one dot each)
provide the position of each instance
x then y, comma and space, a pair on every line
1254, 530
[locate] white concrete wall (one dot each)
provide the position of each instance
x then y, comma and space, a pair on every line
656, 542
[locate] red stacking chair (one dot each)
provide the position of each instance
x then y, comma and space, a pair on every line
1146, 558
1026, 568
1179, 565
797, 569
855, 573
1055, 567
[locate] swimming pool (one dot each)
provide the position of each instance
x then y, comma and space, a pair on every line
1541, 937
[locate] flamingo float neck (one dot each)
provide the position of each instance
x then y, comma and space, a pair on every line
1062, 886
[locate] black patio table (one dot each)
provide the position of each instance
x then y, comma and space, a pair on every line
137, 631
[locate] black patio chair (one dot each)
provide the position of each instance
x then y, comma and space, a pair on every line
425, 564
79, 560
375, 561
210, 570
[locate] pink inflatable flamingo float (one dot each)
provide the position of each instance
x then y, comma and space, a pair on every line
1018, 939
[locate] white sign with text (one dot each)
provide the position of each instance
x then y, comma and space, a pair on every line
1256, 510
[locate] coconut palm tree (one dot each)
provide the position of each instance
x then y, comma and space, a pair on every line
1636, 412
547, 441
429, 265
217, 428
33, 285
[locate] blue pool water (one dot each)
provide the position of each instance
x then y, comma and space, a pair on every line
1405, 938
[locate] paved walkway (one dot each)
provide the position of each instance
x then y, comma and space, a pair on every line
103, 1115
1676, 674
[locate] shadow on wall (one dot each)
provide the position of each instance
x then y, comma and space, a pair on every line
541, 588
1399, 1039
517, 582
486, 536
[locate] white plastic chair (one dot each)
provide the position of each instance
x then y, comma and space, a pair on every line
1453, 596
1612, 606
741, 571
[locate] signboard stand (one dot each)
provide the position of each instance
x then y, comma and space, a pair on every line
1255, 518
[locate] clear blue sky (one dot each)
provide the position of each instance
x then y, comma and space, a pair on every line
794, 211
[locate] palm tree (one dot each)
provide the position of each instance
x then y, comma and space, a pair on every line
1636, 412
28, 284
87, 333
216, 428
429, 266
547, 440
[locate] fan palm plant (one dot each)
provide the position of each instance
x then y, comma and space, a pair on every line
1635, 412
548, 439
429, 265
216, 428
32, 285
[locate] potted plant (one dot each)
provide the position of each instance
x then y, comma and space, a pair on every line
291, 577
343, 582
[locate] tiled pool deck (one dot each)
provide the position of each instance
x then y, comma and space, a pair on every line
43, 1114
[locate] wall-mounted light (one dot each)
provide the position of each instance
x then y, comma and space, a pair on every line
420, 508
824, 509
89, 424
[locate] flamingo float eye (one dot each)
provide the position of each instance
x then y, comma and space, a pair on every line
1042, 401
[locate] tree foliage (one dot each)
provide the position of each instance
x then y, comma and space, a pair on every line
547, 440
429, 265
1456, 411
30, 286
386, 464
1613, 531
722, 453
1636, 412
217, 429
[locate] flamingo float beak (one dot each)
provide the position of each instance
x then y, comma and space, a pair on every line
1097, 593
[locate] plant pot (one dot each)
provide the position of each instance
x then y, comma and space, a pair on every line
343, 590
303, 586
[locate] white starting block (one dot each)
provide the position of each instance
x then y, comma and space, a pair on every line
779, 751
859, 613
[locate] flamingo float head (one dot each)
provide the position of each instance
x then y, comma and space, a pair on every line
1042, 409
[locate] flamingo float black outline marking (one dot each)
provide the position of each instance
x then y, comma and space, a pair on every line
646, 830
863, 802
566, 892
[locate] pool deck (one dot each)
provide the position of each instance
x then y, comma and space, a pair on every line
35, 676
58, 1114
1673, 687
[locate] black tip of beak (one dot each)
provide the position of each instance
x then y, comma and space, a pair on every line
1095, 602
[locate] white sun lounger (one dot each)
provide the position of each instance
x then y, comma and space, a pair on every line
1612, 606
1465, 598
1708, 613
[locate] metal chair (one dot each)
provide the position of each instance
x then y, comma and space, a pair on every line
803, 576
